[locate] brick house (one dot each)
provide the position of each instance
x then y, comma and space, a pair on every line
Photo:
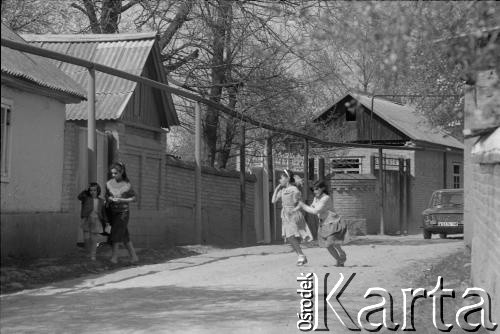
438, 164
34, 96
482, 186
131, 118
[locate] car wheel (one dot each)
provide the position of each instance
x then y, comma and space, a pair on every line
427, 234
442, 235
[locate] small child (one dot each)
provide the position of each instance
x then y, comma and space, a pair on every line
93, 214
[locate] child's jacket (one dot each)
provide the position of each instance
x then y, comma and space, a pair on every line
88, 206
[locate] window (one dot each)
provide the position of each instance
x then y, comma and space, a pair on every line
346, 165
456, 176
5, 118
350, 111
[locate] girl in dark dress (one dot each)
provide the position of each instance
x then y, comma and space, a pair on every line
331, 229
119, 194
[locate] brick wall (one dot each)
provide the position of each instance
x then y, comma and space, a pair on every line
485, 205
70, 166
164, 212
482, 188
428, 178
220, 203
355, 196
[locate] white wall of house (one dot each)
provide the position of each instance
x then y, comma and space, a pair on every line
35, 160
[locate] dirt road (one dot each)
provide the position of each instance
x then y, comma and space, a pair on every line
244, 290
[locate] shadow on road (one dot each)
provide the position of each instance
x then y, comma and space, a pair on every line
144, 308
401, 241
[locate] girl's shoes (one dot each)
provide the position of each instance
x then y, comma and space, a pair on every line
301, 260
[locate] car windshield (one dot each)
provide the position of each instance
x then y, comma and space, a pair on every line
447, 200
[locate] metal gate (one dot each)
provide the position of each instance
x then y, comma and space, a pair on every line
395, 193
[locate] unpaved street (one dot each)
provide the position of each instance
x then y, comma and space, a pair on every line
244, 290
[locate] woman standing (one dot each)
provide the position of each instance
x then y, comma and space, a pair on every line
119, 194
331, 230
294, 227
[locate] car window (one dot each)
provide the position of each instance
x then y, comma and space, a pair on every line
447, 200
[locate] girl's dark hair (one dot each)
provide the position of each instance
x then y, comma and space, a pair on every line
320, 184
120, 166
289, 174
94, 185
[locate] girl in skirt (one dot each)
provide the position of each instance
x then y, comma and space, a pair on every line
294, 227
119, 194
332, 229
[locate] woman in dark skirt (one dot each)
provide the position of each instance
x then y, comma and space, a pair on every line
332, 229
119, 194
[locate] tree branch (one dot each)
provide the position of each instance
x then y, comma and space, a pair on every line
172, 67
90, 12
129, 5
176, 24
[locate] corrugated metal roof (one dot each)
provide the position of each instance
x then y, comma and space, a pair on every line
126, 52
35, 69
406, 119
410, 122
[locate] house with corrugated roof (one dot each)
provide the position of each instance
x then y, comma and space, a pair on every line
35, 94
409, 177
132, 119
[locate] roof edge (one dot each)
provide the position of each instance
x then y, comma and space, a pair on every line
54, 38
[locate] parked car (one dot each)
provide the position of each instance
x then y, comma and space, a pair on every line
445, 213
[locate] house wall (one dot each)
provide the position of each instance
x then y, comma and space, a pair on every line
36, 166
482, 191
428, 177
144, 104
32, 223
485, 205
469, 106
359, 130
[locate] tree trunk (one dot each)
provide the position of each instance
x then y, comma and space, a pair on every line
225, 152
219, 31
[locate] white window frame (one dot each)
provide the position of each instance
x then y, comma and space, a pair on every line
459, 175
357, 170
7, 137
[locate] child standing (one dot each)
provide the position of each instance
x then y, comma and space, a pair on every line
93, 214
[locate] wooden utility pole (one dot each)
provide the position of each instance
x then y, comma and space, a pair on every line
91, 129
197, 174
268, 170
243, 232
274, 231
305, 189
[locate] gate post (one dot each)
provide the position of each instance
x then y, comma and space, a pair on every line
401, 195
381, 185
